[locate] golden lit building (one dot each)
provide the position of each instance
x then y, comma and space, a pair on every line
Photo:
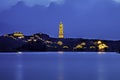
61, 31
60, 43
18, 34
102, 46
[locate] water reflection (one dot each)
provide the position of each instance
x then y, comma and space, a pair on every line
54, 66
101, 53
101, 69
19, 68
60, 68
60, 52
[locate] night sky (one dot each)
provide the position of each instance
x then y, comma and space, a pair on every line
98, 19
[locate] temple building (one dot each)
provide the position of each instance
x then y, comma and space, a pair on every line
18, 34
61, 31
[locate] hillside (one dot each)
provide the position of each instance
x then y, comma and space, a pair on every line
42, 42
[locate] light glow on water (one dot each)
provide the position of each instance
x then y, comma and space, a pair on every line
101, 52
19, 52
60, 52
101, 70
68, 66
19, 72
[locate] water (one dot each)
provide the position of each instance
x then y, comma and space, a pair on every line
59, 66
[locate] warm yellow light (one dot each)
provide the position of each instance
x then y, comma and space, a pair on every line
78, 47
18, 34
99, 42
101, 47
21, 37
92, 47
61, 31
50, 42
83, 43
65, 47
60, 43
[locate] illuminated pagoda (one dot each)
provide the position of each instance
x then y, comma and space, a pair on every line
61, 31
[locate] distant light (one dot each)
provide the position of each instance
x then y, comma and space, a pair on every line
60, 43
99, 42
60, 52
35, 40
101, 53
19, 52
65, 47
83, 43
20, 37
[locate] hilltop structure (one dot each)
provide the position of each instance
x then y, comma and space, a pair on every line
17, 41
61, 31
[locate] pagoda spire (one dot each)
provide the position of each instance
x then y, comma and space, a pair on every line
61, 31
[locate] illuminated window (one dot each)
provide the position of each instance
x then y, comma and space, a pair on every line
60, 43
83, 43
65, 47
48, 41
29, 40
92, 47
102, 47
78, 47
99, 42
34, 40
18, 34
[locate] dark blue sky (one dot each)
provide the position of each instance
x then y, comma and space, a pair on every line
81, 18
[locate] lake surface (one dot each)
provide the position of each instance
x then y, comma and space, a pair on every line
59, 66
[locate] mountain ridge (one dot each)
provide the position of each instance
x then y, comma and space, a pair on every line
90, 23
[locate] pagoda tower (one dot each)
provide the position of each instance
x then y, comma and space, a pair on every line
61, 31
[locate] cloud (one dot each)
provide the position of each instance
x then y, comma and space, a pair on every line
4, 4
42, 2
118, 1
